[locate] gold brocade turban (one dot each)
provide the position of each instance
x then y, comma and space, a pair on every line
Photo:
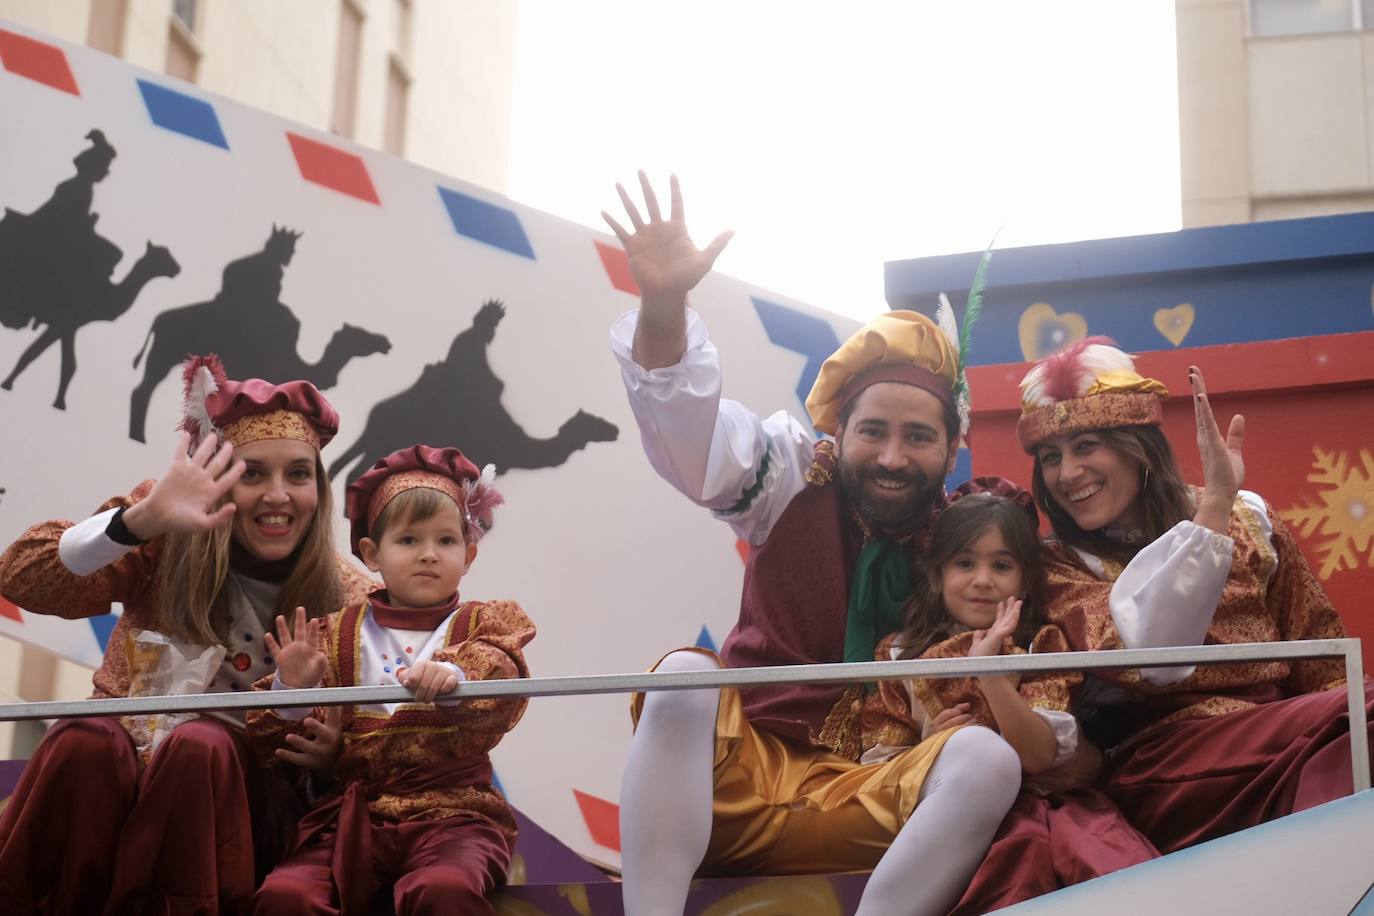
1090, 385
900, 346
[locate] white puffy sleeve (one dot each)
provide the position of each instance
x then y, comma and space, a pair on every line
85, 547
1065, 729
1167, 594
715, 451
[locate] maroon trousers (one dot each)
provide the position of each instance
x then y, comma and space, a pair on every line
439, 867
1200, 779
1049, 842
85, 830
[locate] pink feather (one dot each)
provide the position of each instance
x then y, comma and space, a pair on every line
201, 376
482, 497
1062, 373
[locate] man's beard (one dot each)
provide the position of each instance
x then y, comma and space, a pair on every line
890, 515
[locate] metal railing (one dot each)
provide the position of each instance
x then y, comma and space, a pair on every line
858, 672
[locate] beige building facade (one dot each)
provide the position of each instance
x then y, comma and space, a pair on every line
428, 80
1276, 108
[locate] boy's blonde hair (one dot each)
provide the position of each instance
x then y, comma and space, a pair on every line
417, 504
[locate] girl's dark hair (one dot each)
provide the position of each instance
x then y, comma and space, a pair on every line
956, 528
1164, 499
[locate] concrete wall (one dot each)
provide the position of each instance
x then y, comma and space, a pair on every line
1271, 127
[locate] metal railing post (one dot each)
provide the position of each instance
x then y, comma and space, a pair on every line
1359, 724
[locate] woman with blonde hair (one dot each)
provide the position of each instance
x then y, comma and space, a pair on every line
1142, 560
175, 814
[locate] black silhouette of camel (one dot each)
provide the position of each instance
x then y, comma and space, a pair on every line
254, 334
55, 269
53, 255
458, 402
106, 305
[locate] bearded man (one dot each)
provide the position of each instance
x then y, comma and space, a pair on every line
767, 780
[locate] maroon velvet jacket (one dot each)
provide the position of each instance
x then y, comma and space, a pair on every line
793, 612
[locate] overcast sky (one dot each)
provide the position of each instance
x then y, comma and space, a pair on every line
832, 137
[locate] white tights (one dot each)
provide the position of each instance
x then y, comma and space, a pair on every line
963, 800
665, 794
665, 809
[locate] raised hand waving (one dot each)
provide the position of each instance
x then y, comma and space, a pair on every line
184, 497
666, 264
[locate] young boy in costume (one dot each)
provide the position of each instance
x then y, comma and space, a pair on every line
414, 802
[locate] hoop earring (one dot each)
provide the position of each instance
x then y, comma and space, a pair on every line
1146, 483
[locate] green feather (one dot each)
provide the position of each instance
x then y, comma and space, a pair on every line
973, 308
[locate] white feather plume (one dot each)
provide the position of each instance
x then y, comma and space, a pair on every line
944, 317
200, 384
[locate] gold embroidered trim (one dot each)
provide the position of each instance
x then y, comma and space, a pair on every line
398, 483
276, 424
822, 469
842, 731
1107, 410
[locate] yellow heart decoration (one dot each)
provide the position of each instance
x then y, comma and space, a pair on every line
1175, 323
1044, 331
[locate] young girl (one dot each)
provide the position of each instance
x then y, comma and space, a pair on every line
108, 813
414, 803
981, 598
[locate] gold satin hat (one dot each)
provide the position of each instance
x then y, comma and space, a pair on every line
900, 346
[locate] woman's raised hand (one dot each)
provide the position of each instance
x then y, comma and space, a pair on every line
663, 259
1223, 465
299, 655
989, 641
184, 498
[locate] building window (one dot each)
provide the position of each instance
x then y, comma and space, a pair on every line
185, 10
105, 31
183, 49
346, 68
1303, 17
397, 92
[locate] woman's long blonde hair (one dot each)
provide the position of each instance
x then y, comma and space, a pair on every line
193, 570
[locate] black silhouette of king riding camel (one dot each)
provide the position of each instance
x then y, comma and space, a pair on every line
254, 334
458, 402
55, 269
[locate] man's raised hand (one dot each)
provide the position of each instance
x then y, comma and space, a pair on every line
665, 264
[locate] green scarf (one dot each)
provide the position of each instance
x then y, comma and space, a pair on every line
882, 585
